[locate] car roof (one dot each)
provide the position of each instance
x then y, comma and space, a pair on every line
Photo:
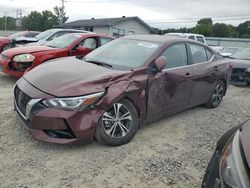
76, 30
90, 34
159, 38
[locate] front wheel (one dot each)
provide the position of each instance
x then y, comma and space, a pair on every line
118, 125
217, 94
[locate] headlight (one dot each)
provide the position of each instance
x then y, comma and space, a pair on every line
228, 168
24, 58
73, 103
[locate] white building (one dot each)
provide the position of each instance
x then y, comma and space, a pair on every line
112, 26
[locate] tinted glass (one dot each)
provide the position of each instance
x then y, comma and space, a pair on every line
191, 37
198, 53
124, 53
176, 56
200, 39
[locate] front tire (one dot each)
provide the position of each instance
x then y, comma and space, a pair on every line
117, 125
217, 94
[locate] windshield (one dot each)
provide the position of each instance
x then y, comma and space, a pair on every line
63, 41
229, 50
18, 34
45, 34
124, 53
242, 54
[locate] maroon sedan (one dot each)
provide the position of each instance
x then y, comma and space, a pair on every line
118, 87
17, 61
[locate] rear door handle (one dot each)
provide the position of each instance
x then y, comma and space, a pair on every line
216, 68
187, 75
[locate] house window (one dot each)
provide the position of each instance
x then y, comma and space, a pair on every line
118, 32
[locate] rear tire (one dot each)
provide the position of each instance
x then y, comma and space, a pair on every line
217, 94
117, 125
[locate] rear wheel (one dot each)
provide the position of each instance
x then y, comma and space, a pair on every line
118, 125
217, 94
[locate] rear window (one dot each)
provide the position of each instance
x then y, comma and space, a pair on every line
199, 53
200, 39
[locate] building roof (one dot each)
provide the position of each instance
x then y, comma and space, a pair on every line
104, 22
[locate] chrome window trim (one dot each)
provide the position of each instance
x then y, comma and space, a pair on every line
164, 70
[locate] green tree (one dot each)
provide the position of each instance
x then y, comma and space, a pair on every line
204, 27
10, 23
33, 21
244, 30
223, 30
48, 20
39, 21
60, 15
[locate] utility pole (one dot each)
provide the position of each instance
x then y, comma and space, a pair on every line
5, 21
19, 14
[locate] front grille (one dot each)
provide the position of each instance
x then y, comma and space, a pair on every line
22, 100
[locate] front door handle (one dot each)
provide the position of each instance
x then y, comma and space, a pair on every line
187, 75
216, 68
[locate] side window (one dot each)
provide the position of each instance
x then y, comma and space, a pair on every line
58, 34
105, 40
191, 37
200, 39
176, 56
209, 54
199, 54
89, 43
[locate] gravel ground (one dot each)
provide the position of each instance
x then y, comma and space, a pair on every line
172, 152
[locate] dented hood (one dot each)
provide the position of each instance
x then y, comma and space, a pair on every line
72, 77
29, 49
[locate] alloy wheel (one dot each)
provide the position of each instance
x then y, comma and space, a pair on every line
117, 121
218, 94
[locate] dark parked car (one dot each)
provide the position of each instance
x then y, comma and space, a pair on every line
241, 67
118, 87
17, 61
16, 38
230, 164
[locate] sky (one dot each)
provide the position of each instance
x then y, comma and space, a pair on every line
157, 13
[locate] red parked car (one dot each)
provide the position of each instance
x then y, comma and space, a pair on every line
116, 88
17, 61
10, 41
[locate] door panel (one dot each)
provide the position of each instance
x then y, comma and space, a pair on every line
169, 92
204, 74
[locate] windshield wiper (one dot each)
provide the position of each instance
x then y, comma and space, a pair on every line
100, 63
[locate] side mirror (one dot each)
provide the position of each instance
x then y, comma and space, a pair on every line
160, 63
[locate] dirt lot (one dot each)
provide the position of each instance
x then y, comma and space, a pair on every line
169, 153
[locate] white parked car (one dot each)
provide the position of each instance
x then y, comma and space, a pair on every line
192, 36
51, 34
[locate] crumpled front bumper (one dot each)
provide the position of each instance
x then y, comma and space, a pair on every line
240, 76
51, 124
